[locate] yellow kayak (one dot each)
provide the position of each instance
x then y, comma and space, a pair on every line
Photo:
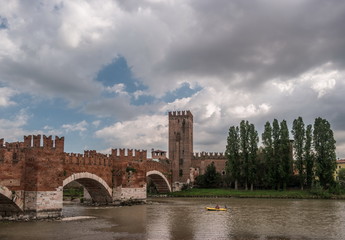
216, 209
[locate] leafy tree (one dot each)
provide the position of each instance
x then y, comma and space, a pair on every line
309, 156
268, 157
325, 158
233, 155
211, 178
285, 154
298, 133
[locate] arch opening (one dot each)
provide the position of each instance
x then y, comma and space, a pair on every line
10, 204
159, 181
97, 188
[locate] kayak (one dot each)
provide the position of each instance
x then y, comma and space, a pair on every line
216, 209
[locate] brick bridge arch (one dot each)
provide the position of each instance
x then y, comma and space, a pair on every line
34, 172
98, 189
159, 180
160, 175
11, 203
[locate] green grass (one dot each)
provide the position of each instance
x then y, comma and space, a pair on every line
218, 192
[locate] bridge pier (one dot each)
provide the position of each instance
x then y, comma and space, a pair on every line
124, 194
43, 204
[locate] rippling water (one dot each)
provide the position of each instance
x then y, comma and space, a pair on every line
184, 218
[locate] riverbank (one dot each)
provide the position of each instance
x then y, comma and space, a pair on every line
227, 193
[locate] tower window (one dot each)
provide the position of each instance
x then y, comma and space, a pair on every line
180, 173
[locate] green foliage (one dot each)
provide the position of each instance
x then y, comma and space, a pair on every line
268, 157
309, 156
341, 174
272, 165
284, 151
241, 151
211, 178
325, 158
298, 133
253, 154
73, 192
233, 155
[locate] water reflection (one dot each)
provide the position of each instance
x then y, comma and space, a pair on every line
187, 219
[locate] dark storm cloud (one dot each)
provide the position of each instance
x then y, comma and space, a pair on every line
259, 40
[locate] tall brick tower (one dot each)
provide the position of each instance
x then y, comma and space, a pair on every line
180, 144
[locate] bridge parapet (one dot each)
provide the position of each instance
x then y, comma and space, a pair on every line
122, 154
88, 158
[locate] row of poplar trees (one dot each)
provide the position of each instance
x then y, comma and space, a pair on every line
308, 158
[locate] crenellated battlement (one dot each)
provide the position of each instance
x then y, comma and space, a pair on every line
208, 155
90, 157
180, 114
122, 154
45, 142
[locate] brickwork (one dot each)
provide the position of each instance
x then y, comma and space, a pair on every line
201, 160
33, 173
180, 144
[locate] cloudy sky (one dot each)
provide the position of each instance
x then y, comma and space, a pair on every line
104, 74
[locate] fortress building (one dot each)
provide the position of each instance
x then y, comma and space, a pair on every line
186, 165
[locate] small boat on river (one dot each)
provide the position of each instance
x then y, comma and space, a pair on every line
216, 209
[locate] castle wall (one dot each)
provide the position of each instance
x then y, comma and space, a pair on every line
202, 160
180, 144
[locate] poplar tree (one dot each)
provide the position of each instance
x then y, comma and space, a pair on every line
233, 155
298, 132
268, 155
253, 155
285, 154
309, 156
278, 169
244, 151
325, 157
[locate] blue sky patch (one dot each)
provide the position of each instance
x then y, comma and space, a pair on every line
3, 23
184, 91
119, 72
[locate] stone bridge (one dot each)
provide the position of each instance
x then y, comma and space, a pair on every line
34, 172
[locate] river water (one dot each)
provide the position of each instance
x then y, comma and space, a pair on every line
186, 218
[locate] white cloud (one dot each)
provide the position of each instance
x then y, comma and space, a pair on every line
13, 129
79, 127
323, 78
96, 123
144, 132
117, 88
5, 96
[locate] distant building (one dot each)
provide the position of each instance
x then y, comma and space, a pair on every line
340, 165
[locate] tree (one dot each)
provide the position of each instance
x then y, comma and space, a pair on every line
278, 168
211, 178
253, 155
285, 154
244, 151
268, 155
325, 157
309, 156
298, 133
233, 155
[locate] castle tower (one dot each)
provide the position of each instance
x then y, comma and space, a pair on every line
180, 144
